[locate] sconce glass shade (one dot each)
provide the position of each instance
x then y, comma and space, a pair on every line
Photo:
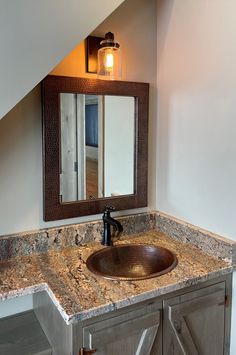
109, 59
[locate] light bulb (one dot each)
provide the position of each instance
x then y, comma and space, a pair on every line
109, 61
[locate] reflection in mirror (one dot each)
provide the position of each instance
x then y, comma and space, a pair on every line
97, 146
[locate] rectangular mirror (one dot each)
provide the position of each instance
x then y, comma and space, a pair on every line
94, 144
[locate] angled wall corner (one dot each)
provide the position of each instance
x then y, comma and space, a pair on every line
36, 35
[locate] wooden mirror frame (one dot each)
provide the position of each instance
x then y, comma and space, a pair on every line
52, 86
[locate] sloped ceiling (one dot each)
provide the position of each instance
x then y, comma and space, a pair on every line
35, 35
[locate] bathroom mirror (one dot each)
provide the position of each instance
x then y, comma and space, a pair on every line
94, 144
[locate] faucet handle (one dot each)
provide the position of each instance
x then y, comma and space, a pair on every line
109, 208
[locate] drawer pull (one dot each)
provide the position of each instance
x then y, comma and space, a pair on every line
83, 351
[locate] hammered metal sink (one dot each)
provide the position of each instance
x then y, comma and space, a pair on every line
131, 262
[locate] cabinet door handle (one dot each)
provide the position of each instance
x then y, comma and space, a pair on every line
83, 351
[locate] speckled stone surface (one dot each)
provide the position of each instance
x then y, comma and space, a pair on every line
210, 243
44, 240
26, 243
78, 294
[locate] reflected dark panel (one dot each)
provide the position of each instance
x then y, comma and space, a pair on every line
91, 125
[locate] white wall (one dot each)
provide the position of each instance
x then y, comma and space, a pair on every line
36, 35
196, 142
21, 193
119, 154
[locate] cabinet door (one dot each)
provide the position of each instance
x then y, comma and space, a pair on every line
137, 332
193, 324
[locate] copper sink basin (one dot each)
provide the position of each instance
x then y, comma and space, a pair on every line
131, 262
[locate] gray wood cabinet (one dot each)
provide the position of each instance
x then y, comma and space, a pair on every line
137, 332
194, 323
191, 321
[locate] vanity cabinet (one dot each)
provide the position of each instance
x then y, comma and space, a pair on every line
188, 323
191, 321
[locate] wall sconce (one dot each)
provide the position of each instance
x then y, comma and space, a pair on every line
107, 52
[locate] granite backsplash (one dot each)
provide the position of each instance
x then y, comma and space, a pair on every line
26, 243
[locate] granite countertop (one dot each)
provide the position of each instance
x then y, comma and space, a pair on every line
79, 295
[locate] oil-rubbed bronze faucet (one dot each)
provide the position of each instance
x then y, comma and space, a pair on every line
107, 222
